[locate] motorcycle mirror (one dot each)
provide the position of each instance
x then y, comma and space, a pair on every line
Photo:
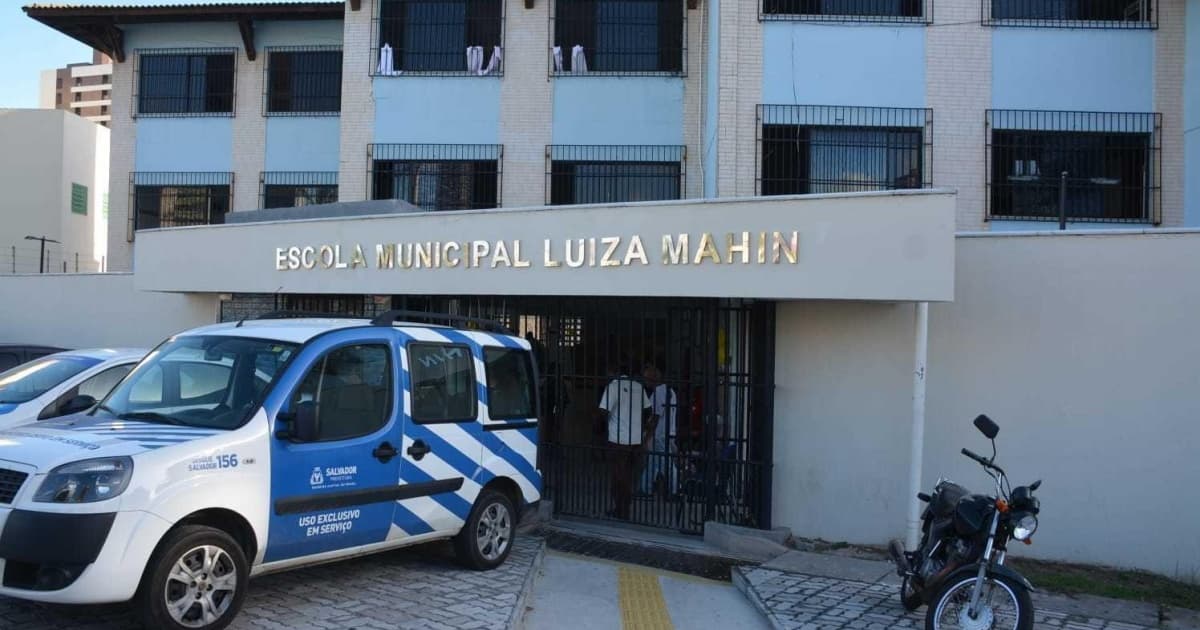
987, 427
1035, 485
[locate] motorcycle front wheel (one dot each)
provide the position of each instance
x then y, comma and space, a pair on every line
1004, 605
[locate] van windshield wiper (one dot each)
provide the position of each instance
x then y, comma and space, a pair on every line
152, 416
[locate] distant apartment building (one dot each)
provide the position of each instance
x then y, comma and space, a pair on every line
84, 89
56, 187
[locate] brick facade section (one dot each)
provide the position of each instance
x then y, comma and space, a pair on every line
122, 143
526, 104
739, 94
1169, 58
249, 131
958, 87
358, 103
693, 99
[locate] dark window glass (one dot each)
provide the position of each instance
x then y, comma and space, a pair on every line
443, 382
295, 196
621, 35
185, 83
174, 206
438, 185
433, 35
1091, 10
304, 81
58, 83
613, 182
58, 99
30, 380
1108, 174
848, 8
510, 384
351, 388
800, 159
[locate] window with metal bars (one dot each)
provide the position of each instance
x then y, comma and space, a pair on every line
431, 36
185, 83
1088, 166
1071, 13
179, 199
580, 174
293, 189
437, 176
303, 81
619, 37
847, 10
806, 149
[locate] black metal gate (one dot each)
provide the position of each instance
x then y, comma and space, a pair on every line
702, 451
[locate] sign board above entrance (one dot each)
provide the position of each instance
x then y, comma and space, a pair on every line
869, 246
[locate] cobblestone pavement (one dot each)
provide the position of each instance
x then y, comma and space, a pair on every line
798, 601
420, 587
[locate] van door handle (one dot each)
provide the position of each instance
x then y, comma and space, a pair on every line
385, 452
418, 449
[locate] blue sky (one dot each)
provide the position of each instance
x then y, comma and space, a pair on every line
27, 47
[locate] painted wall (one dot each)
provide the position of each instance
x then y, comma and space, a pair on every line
90, 310
298, 33
184, 144
1106, 420
1099, 70
1191, 117
297, 143
618, 110
835, 64
437, 110
182, 35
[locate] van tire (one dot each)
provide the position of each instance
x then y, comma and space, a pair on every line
189, 545
487, 537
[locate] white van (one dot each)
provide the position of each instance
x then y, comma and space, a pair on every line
235, 450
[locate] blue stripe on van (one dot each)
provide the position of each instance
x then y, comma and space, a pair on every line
449, 500
409, 522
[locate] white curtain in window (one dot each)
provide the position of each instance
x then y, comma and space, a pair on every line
578, 60
475, 59
493, 63
386, 66
558, 59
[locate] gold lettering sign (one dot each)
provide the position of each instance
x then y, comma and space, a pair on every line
604, 252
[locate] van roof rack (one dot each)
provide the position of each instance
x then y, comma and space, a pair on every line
445, 319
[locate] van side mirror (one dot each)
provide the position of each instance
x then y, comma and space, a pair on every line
79, 403
987, 427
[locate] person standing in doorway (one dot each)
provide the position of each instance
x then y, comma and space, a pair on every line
625, 404
660, 443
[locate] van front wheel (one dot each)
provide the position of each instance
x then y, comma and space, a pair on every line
487, 536
196, 580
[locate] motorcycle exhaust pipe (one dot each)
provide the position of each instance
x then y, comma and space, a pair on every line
896, 550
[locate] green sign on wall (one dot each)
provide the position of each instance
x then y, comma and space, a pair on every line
78, 199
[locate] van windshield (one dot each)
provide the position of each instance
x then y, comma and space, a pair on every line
30, 380
203, 381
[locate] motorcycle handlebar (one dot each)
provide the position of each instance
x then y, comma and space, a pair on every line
975, 457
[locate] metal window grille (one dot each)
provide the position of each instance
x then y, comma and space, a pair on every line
302, 81
293, 189
239, 306
437, 176
805, 149
161, 199
1120, 14
184, 81
914, 11
620, 37
430, 37
578, 174
1111, 161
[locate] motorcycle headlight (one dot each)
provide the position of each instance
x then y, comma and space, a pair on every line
86, 481
1025, 527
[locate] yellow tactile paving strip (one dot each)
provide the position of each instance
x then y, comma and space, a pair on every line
642, 603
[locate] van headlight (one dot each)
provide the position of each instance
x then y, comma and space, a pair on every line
1025, 527
86, 481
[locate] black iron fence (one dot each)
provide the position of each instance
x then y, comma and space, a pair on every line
1074, 166
241, 306
618, 37
920, 11
1122, 14
805, 149
184, 81
302, 81
287, 189
171, 199
437, 176
577, 174
427, 37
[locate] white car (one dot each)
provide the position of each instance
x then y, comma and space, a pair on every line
62, 383
235, 450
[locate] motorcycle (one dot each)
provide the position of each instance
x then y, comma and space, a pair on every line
958, 568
